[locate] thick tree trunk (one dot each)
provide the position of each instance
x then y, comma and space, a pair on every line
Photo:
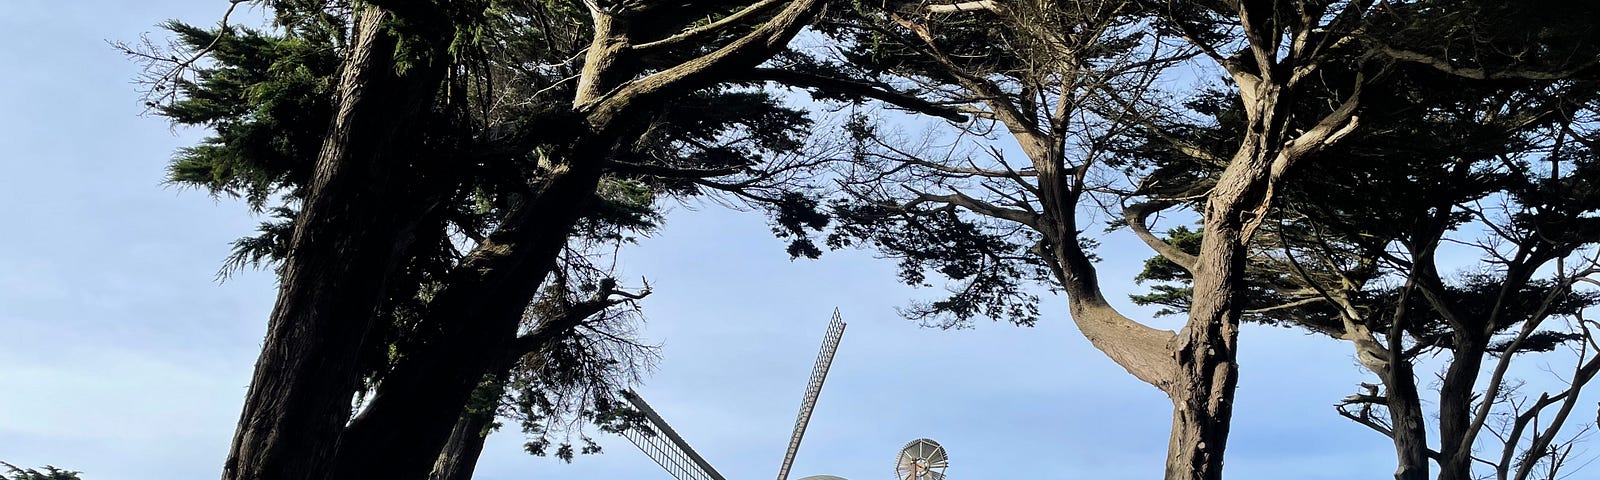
1455, 408
411, 414
353, 223
1203, 385
1407, 417
460, 455
1202, 399
459, 458
1408, 431
1195, 368
414, 410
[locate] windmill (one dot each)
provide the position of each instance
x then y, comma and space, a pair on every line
663, 445
921, 459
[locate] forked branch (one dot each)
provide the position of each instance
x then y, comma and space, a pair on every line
745, 52
162, 86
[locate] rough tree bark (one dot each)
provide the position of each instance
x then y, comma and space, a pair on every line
1456, 394
1195, 366
1407, 428
354, 220
459, 458
413, 411
1461, 408
1266, 75
1408, 419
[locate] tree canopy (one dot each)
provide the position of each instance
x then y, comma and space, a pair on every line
49, 473
445, 184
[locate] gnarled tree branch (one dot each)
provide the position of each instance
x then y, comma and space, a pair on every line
847, 86
1137, 214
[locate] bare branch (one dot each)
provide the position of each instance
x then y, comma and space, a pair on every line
662, 171
176, 67
883, 93
1286, 305
1481, 73
745, 52
1136, 215
709, 29
976, 206
553, 329
972, 6
1368, 421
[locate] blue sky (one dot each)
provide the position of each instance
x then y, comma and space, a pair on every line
121, 356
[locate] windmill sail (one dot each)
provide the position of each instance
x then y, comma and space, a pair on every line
819, 372
667, 448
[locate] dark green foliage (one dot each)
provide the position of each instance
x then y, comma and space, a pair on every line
542, 400
878, 48
795, 216
1551, 36
576, 380
50, 473
1541, 341
1438, 158
268, 100
270, 245
486, 144
734, 128
621, 207
732, 133
1029, 53
992, 267
1171, 290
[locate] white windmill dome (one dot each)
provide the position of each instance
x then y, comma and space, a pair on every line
823, 477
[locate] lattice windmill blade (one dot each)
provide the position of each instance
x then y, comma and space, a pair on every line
819, 373
666, 447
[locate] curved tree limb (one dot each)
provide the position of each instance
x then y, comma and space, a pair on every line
976, 206
1137, 214
745, 52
